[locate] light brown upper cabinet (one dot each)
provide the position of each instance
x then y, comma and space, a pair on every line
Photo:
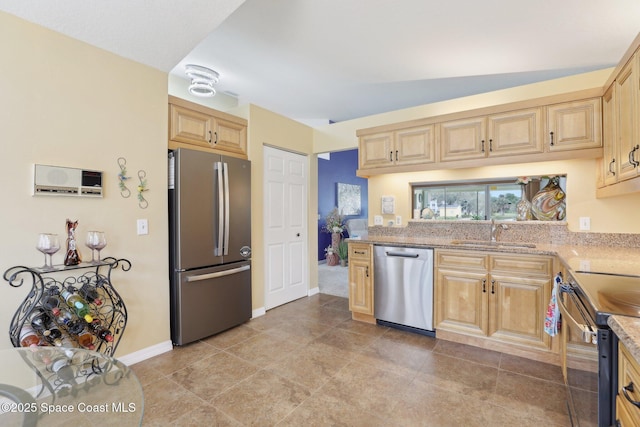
559, 127
403, 147
619, 169
195, 126
574, 125
504, 134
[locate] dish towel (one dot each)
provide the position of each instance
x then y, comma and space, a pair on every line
552, 319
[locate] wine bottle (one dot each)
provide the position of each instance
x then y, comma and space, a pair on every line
72, 257
79, 331
90, 294
99, 331
65, 316
53, 335
78, 304
28, 337
51, 302
39, 319
85, 339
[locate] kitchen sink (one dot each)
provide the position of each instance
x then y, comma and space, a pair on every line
489, 244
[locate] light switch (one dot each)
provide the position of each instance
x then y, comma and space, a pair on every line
377, 220
398, 220
143, 227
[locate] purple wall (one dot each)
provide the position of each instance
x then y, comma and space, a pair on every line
341, 168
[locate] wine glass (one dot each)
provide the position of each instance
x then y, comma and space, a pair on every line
91, 242
54, 246
48, 244
100, 242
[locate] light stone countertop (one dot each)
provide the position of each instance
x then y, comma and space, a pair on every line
628, 331
597, 259
593, 252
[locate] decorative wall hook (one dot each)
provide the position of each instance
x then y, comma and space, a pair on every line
142, 202
122, 177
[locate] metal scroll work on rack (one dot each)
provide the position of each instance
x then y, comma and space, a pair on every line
112, 311
69, 374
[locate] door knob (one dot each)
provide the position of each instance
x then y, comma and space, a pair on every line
297, 234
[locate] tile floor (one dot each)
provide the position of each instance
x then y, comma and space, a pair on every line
308, 364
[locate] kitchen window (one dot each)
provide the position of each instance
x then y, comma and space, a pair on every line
481, 200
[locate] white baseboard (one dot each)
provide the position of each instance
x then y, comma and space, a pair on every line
258, 312
314, 291
146, 353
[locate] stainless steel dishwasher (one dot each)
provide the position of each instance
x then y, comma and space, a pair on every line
403, 287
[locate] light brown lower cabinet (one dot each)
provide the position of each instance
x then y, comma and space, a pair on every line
361, 282
627, 413
496, 296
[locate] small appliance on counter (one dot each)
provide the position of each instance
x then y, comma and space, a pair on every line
210, 243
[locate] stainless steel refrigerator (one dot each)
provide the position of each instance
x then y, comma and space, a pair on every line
210, 243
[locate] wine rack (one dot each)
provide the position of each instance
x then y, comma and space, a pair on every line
112, 313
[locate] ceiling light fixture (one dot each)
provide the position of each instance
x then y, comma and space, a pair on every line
202, 80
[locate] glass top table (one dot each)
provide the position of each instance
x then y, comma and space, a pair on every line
56, 386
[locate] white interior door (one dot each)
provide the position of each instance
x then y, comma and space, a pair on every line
285, 226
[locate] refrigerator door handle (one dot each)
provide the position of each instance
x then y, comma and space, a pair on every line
225, 168
221, 211
218, 274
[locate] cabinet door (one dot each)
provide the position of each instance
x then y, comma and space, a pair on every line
627, 112
515, 132
376, 150
517, 310
574, 125
461, 303
609, 134
190, 127
360, 286
415, 146
463, 139
230, 136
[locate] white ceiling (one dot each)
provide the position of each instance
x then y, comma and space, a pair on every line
343, 59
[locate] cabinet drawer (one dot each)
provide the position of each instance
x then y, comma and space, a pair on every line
359, 250
628, 372
529, 264
462, 259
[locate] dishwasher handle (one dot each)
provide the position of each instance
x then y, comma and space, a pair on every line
402, 254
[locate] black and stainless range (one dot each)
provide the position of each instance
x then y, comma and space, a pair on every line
590, 348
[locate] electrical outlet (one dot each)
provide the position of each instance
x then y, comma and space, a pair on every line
585, 223
398, 220
585, 265
143, 227
377, 220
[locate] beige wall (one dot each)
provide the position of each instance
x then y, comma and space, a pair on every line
267, 128
66, 103
611, 215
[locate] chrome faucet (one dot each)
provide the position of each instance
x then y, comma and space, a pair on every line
495, 230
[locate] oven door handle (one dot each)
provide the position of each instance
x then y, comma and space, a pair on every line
588, 333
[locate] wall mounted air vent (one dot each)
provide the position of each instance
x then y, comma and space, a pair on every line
61, 181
